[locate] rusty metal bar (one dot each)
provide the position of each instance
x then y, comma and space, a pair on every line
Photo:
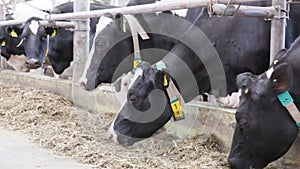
278, 24
248, 11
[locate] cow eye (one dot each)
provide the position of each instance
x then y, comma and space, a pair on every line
243, 124
44, 37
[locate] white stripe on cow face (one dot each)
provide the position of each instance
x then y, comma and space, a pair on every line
138, 72
34, 26
102, 24
269, 72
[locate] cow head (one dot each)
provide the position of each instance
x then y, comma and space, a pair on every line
112, 44
264, 129
34, 40
138, 118
9, 40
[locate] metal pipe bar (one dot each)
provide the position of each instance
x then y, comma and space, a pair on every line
57, 24
156, 7
80, 50
248, 11
278, 26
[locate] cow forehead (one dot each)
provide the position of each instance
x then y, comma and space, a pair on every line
102, 23
34, 26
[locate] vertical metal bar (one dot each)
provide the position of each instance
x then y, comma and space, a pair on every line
278, 26
53, 3
14, 5
2, 18
81, 49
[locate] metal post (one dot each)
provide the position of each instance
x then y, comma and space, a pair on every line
278, 25
53, 3
14, 5
2, 17
81, 49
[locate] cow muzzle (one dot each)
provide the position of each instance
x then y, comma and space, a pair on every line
33, 63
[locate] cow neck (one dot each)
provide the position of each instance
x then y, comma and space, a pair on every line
136, 29
179, 74
175, 98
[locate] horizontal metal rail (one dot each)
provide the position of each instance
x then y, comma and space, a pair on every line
155, 7
241, 10
62, 24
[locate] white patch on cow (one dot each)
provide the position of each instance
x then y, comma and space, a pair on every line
34, 26
180, 12
124, 87
102, 23
138, 72
246, 91
269, 72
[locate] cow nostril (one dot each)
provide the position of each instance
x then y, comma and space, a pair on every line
243, 124
133, 98
232, 163
36, 63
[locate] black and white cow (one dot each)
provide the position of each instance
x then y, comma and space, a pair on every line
112, 51
241, 48
60, 46
10, 48
264, 128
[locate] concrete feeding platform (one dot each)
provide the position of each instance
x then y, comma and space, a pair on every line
202, 118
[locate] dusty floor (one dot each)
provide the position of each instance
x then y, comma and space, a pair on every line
57, 124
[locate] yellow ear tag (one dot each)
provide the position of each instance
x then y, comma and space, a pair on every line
3, 43
177, 111
275, 62
165, 80
53, 34
13, 34
136, 62
47, 50
124, 26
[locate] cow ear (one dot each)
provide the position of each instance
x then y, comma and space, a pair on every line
120, 22
282, 78
279, 56
161, 79
14, 31
51, 31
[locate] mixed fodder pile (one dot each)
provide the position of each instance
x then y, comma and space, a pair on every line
55, 123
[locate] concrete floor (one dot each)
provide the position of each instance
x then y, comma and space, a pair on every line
17, 151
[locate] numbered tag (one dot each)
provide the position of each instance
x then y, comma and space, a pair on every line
176, 108
3, 43
13, 34
285, 98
